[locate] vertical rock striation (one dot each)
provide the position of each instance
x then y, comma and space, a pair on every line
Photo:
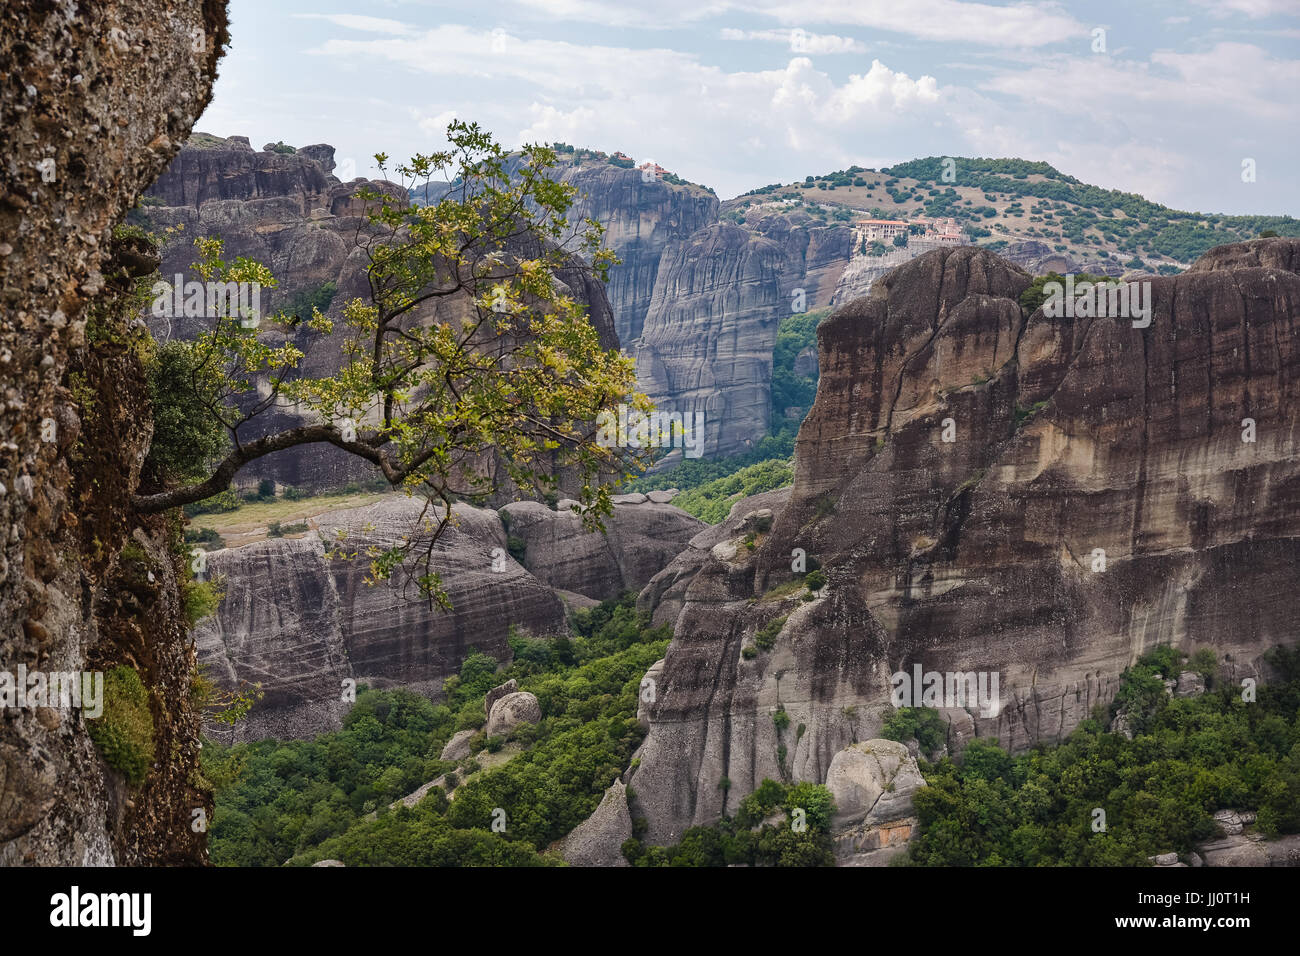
1070, 437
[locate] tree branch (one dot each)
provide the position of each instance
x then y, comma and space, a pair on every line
243, 454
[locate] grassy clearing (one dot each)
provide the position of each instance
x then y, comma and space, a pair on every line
249, 522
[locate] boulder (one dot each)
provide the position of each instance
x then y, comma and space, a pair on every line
1190, 684
512, 710
496, 693
1229, 821
458, 747
872, 783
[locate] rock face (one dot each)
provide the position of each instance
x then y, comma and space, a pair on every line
1070, 437
458, 747
665, 594
301, 622
697, 300
648, 691
299, 619
96, 99
511, 711
717, 303
638, 541
598, 840
872, 783
708, 338
289, 212
642, 220
1252, 850
496, 693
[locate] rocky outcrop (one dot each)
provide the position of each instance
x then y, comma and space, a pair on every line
1251, 850
1282, 254
636, 543
665, 594
496, 693
287, 211
643, 220
458, 747
718, 301
299, 618
872, 784
1042, 499
598, 840
708, 338
511, 711
96, 100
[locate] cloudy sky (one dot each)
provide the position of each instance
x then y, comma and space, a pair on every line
1166, 99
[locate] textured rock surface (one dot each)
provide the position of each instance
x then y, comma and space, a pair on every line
511, 711
1071, 435
1252, 850
665, 594
637, 542
648, 690
300, 622
496, 693
597, 841
458, 747
873, 783
642, 221
717, 303
95, 100
289, 212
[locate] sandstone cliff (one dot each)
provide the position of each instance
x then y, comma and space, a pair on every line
287, 211
96, 100
695, 299
1070, 437
299, 619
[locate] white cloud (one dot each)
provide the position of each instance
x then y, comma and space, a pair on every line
1254, 9
435, 126
1235, 77
799, 41
1016, 25
353, 21
703, 122
1135, 122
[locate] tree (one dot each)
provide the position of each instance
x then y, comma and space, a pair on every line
466, 350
